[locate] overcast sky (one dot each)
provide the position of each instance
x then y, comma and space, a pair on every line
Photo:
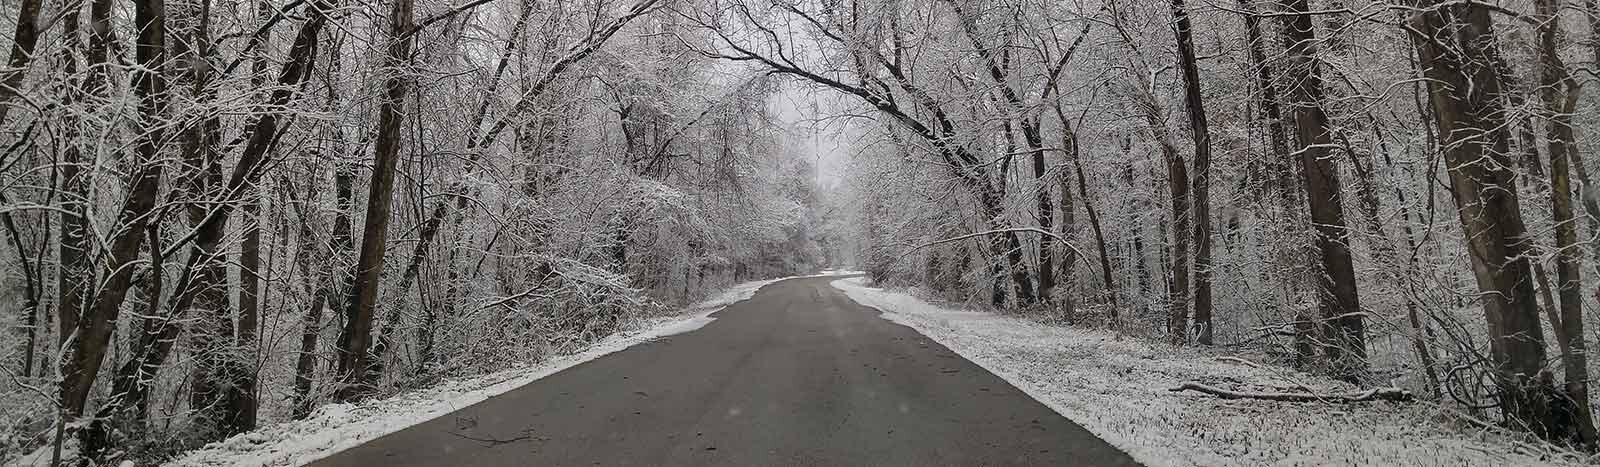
812, 117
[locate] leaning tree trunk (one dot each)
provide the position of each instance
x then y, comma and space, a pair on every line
1070, 141
132, 382
1456, 46
88, 341
1340, 323
354, 353
74, 275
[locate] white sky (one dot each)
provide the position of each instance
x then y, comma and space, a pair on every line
801, 108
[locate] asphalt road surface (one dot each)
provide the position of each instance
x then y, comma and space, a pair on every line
797, 375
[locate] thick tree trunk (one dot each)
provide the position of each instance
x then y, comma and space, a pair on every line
1198, 127
1340, 323
211, 334
1456, 46
74, 276
23, 41
354, 350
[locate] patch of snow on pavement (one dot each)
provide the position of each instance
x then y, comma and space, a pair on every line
336, 427
1117, 388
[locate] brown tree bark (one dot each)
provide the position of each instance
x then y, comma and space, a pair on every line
1340, 323
88, 338
1456, 46
241, 395
1199, 130
1069, 257
1178, 257
354, 350
73, 278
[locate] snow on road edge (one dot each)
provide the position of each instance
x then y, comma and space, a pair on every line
336, 427
1117, 389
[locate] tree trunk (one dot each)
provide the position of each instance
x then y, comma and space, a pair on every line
1340, 323
1178, 287
88, 339
30, 291
1069, 257
1046, 213
1069, 140
211, 334
72, 252
1456, 46
242, 395
354, 350
1202, 173
23, 41
1560, 93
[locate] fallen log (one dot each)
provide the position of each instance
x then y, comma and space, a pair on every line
1374, 394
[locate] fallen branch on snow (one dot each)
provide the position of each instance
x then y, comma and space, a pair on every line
1385, 394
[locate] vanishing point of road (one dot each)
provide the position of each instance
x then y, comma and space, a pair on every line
797, 375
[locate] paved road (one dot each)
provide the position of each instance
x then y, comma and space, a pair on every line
797, 375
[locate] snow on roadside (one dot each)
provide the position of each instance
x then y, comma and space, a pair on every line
1117, 389
336, 427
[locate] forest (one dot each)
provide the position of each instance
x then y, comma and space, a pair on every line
219, 215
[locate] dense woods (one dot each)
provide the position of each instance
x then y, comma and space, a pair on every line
1373, 190
223, 214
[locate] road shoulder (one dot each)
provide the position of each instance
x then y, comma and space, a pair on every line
333, 428
1117, 388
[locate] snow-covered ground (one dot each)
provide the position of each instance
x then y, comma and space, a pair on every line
1118, 389
336, 427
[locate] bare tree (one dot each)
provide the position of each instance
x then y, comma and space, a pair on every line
1457, 48
1340, 323
1559, 92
